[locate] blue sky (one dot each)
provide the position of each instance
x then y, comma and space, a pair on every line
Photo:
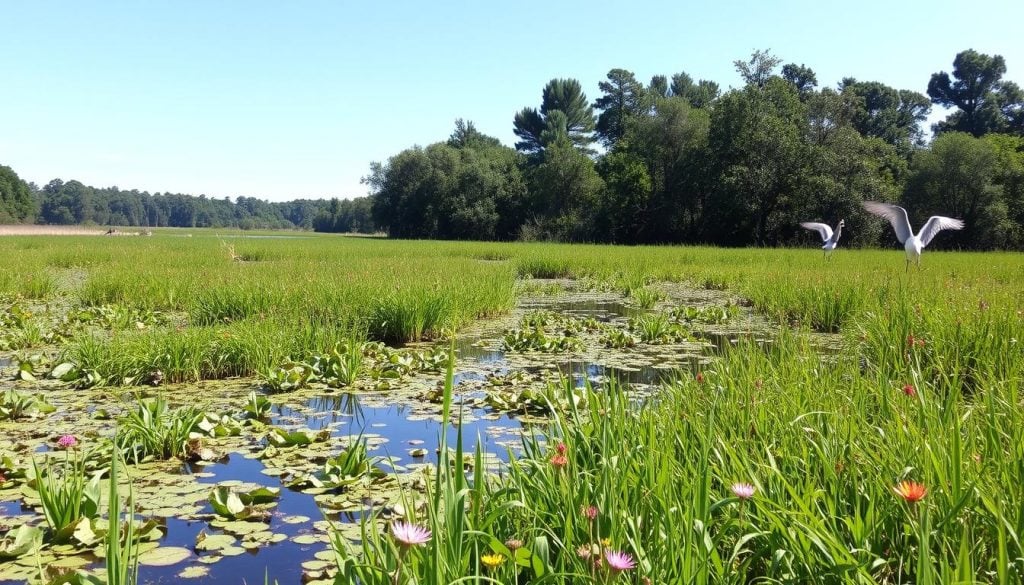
280, 100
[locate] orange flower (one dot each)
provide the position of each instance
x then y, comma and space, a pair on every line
911, 491
559, 461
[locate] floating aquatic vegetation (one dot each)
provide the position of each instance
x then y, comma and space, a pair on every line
15, 405
344, 469
11, 470
234, 505
31, 367
290, 376
257, 406
153, 431
278, 437
342, 366
656, 328
213, 425
707, 315
618, 339
645, 297
21, 541
535, 339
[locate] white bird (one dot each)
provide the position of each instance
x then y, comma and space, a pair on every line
913, 245
827, 236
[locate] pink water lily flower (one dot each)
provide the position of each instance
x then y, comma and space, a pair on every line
408, 534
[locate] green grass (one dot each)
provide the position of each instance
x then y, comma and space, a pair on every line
926, 387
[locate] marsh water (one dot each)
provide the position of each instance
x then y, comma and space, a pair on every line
402, 429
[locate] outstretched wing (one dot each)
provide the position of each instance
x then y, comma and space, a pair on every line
936, 224
896, 215
823, 229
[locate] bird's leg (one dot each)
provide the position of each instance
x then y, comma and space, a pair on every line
908, 265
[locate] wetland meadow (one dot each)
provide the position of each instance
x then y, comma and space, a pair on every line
221, 407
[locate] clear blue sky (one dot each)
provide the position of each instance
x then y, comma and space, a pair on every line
280, 100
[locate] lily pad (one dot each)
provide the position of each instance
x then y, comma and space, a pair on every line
305, 539
165, 556
194, 572
214, 542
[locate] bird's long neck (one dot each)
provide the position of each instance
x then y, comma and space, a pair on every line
835, 235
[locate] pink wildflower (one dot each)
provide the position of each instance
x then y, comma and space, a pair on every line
619, 561
559, 461
909, 390
743, 491
67, 441
590, 512
561, 448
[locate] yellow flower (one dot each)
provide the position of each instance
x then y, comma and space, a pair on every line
492, 561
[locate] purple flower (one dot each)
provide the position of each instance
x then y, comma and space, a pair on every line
67, 441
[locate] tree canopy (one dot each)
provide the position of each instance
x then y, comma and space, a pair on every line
985, 103
17, 204
683, 162
564, 111
679, 162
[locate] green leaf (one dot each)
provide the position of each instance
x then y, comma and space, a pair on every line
21, 541
164, 556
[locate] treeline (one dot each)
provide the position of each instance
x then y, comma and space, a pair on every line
75, 203
683, 162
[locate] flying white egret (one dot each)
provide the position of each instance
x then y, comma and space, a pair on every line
827, 236
897, 216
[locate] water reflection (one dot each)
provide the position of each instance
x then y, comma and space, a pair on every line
601, 310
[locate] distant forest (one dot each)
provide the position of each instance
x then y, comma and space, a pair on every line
74, 203
673, 160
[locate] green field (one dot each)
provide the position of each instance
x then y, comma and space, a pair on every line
843, 379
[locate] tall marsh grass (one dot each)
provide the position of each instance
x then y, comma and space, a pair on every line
823, 445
